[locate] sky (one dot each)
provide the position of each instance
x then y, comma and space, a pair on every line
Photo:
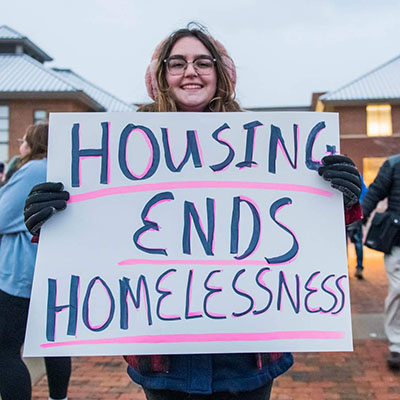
283, 50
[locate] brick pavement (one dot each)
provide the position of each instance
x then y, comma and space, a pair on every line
358, 375
368, 296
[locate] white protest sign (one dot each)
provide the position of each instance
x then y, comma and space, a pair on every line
191, 233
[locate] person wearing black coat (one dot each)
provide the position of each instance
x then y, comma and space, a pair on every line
387, 186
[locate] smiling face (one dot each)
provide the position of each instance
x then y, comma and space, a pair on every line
191, 91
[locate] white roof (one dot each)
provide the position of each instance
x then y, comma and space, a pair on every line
382, 83
108, 101
10, 36
23, 74
8, 33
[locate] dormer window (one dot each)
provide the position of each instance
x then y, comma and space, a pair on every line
379, 120
39, 115
12, 42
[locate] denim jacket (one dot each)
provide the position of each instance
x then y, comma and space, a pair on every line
208, 373
17, 253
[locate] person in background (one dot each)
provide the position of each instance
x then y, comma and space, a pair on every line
1, 171
355, 233
11, 168
191, 71
17, 261
387, 185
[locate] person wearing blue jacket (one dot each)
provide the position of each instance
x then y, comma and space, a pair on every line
355, 233
17, 262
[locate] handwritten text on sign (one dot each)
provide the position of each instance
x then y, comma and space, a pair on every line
191, 233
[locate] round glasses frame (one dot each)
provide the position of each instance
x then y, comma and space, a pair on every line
178, 71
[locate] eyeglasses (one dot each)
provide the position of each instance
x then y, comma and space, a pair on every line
20, 140
202, 65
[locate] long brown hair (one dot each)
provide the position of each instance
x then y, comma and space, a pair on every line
224, 99
37, 137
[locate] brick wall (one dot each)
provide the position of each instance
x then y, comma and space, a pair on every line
354, 141
357, 149
396, 118
352, 120
21, 115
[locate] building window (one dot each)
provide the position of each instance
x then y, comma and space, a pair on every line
371, 167
379, 120
4, 122
320, 106
39, 115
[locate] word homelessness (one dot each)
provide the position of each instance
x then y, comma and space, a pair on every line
266, 292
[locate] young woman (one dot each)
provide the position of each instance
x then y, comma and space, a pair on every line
17, 261
190, 71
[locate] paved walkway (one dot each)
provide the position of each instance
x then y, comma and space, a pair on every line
358, 375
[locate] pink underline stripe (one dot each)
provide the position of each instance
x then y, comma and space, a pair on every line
207, 337
197, 185
143, 261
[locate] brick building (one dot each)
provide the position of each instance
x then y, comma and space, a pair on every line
369, 115
30, 90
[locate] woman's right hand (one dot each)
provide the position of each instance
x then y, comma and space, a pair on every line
44, 200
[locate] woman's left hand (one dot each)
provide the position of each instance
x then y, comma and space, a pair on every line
342, 174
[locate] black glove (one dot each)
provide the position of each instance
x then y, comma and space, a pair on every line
43, 201
341, 172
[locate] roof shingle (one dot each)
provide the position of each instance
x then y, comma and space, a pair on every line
8, 33
107, 100
379, 84
22, 73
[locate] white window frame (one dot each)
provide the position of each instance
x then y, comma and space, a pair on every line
379, 120
37, 119
4, 143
